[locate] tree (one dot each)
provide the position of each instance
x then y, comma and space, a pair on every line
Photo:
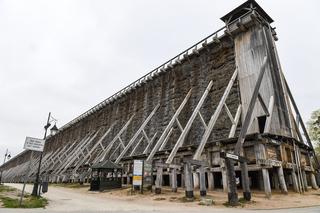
314, 130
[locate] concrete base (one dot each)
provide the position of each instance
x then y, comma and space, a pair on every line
203, 193
189, 194
158, 191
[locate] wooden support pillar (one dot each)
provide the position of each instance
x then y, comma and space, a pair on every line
158, 181
195, 180
282, 180
210, 181
295, 181
188, 180
266, 182
275, 180
128, 179
224, 175
313, 181
174, 180
245, 181
304, 180
317, 174
232, 186
202, 174
182, 179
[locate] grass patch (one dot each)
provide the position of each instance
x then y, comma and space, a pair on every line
159, 198
28, 202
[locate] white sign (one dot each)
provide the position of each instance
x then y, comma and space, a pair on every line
137, 172
228, 155
34, 144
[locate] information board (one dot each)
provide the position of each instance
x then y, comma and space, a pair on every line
34, 144
137, 172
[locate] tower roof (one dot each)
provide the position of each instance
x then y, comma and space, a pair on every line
243, 8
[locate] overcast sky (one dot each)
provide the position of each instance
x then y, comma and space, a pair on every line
67, 56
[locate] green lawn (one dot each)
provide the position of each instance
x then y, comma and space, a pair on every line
10, 198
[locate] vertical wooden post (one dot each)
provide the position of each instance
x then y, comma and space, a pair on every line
282, 180
294, 181
232, 186
275, 180
245, 181
224, 175
158, 181
174, 180
203, 189
182, 179
210, 180
266, 182
313, 178
188, 180
195, 180
313, 181
128, 178
304, 180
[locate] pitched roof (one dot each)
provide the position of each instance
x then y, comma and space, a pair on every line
108, 164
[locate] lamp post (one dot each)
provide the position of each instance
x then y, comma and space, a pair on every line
6, 156
54, 129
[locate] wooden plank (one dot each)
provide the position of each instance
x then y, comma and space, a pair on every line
229, 113
135, 136
146, 150
167, 129
235, 122
214, 117
263, 105
166, 139
248, 115
102, 156
187, 128
282, 181
269, 118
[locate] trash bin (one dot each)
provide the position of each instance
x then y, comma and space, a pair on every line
45, 187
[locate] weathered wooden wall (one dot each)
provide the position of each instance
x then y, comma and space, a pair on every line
251, 47
216, 62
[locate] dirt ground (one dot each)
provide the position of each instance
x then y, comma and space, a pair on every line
259, 201
76, 199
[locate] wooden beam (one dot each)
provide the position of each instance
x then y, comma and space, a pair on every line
249, 112
187, 128
109, 146
214, 117
269, 118
235, 122
167, 129
263, 105
135, 136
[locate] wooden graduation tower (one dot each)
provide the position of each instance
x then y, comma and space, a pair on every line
218, 112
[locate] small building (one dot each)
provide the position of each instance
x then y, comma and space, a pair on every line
105, 175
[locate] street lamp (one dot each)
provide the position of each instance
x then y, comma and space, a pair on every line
54, 129
6, 156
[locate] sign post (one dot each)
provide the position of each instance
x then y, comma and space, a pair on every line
32, 144
137, 179
232, 181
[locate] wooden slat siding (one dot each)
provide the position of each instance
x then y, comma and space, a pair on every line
250, 49
277, 83
285, 92
249, 154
